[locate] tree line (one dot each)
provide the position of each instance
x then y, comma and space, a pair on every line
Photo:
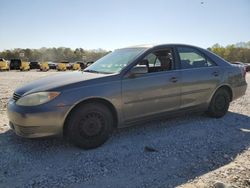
53, 54
237, 52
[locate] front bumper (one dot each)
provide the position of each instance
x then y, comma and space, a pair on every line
34, 131
39, 121
4, 68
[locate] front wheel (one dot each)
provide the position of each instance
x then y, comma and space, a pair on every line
219, 104
89, 125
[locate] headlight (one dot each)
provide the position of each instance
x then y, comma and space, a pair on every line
36, 98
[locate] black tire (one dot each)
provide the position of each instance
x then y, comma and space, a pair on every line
89, 125
219, 104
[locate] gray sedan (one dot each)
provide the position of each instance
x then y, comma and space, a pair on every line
125, 87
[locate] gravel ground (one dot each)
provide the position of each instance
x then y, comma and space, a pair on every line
187, 151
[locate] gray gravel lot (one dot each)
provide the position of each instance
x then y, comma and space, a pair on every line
191, 151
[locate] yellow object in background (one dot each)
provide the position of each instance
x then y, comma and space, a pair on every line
4, 66
44, 66
61, 67
24, 66
76, 66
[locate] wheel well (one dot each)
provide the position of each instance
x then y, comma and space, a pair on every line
227, 88
94, 100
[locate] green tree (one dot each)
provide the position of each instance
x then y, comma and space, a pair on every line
232, 53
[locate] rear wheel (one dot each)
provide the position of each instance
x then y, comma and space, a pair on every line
89, 125
219, 104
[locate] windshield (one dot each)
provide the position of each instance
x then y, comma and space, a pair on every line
115, 61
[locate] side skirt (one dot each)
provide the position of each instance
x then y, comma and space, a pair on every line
165, 115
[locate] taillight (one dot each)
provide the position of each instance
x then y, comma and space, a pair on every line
244, 72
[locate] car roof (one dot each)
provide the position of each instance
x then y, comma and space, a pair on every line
148, 46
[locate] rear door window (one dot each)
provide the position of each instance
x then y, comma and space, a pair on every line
192, 58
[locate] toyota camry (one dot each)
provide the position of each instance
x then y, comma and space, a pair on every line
128, 86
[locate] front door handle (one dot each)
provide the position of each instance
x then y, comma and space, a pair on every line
215, 73
173, 79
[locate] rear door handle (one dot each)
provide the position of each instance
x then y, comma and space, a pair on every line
173, 79
215, 73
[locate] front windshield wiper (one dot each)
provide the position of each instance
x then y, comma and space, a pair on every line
94, 71
88, 70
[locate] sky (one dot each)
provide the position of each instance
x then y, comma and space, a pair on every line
111, 24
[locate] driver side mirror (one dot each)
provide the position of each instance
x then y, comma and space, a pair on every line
138, 70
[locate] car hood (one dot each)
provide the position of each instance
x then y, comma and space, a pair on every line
57, 81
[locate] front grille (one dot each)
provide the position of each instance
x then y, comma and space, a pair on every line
25, 130
16, 96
